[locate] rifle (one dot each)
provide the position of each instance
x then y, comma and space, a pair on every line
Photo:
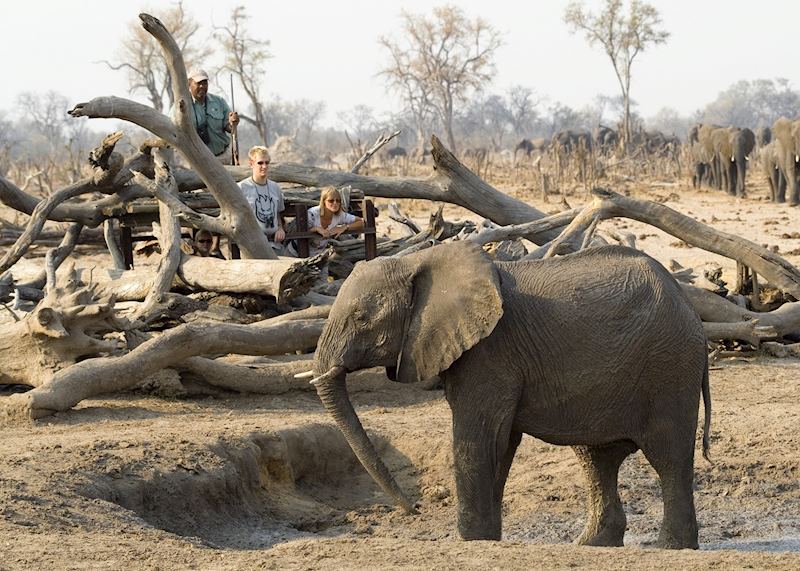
234, 135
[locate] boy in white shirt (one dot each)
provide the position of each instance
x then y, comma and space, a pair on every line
265, 197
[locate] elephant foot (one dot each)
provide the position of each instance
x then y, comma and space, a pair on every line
685, 539
606, 537
476, 528
478, 535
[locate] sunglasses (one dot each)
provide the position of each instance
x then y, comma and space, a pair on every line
262, 163
333, 200
205, 241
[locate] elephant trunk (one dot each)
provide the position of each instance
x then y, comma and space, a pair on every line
332, 390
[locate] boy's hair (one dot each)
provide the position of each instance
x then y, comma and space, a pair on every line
257, 151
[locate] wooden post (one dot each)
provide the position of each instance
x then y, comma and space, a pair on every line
545, 183
742, 278
236, 254
370, 240
126, 244
301, 220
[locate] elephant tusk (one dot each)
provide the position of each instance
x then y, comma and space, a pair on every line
304, 375
797, 158
333, 372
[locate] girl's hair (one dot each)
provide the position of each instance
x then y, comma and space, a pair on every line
328, 192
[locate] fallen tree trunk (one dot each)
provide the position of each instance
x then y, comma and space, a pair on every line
67, 325
750, 331
93, 377
282, 279
713, 308
451, 182
608, 204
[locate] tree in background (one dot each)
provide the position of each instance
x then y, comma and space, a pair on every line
670, 122
244, 58
560, 117
360, 120
47, 113
488, 117
752, 104
622, 39
414, 91
141, 58
449, 55
522, 104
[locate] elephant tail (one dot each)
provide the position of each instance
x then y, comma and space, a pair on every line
706, 389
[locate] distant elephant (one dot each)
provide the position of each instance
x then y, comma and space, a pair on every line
703, 154
786, 134
529, 146
769, 163
733, 147
599, 350
526, 146
570, 140
396, 152
763, 137
605, 138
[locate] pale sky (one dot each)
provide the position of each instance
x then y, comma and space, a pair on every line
328, 50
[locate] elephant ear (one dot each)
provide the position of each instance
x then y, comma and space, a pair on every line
456, 302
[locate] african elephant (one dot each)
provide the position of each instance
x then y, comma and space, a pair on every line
599, 350
732, 147
569, 140
769, 162
786, 134
605, 138
763, 137
529, 146
704, 154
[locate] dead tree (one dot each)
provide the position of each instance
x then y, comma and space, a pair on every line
60, 385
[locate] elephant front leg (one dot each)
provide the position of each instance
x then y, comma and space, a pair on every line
478, 514
606, 521
483, 449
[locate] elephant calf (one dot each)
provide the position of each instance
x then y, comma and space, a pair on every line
598, 350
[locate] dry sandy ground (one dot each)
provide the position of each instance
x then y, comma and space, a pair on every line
239, 482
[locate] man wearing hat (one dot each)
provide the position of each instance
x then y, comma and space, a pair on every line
212, 117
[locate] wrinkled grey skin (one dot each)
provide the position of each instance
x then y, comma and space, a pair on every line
786, 135
599, 350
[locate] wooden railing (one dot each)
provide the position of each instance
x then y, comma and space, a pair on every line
135, 224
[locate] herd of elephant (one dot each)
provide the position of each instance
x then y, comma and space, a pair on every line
603, 140
721, 155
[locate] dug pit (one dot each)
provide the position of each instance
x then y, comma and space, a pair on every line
268, 488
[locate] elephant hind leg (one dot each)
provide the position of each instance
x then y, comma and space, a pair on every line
673, 461
606, 521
